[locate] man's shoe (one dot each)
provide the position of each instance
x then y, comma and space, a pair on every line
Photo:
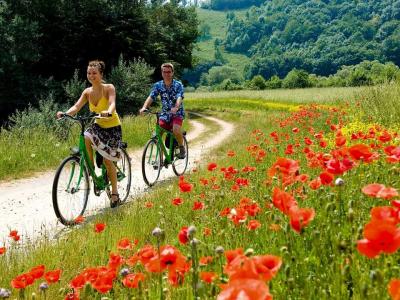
182, 152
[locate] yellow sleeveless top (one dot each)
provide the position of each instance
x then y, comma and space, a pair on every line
101, 106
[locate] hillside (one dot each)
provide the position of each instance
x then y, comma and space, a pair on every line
317, 36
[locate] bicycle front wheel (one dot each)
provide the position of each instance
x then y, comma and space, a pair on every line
179, 165
70, 190
124, 175
151, 162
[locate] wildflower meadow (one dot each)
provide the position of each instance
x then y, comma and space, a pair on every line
302, 202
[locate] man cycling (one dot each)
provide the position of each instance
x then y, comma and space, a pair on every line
172, 112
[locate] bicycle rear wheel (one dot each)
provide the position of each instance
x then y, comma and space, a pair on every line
124, 175
151, 162
70, 190
179, 165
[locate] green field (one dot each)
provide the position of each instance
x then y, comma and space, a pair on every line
217, 22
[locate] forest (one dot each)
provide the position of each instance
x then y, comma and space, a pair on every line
43, 43
316, 36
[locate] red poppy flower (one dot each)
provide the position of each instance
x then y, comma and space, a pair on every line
245, 289
295, 130
115, 260
383, 213
197, 205
206, 231
13, 233
232, 254
37, 272
235, 188
149, 204
380, 236
285, 166
394, 288
340, 140
283, 200
253, 225
267, 265
22, 281
208, 277
183, 235
185, 187
361, 152
52, 276
103, 284
2, 250
124, 244
315, 184
379, 191
300, 217
211, 166
177, 201
231, 153
132, 280
79, 220
99, 227
146, 253
326, 178
78, 282
205, 260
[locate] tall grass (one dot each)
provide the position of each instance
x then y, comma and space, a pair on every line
381, 103
318, 95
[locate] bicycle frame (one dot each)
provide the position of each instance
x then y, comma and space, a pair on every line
159, 131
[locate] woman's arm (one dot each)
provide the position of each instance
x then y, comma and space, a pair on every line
77, 106
111, 99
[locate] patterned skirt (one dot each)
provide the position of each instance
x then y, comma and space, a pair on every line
106, 141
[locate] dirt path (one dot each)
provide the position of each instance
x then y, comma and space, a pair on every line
26, 204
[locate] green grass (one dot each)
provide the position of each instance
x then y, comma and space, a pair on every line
218, 24
39, 150
318, 95
320, 263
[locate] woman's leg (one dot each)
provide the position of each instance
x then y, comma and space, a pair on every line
89, 149
112, 174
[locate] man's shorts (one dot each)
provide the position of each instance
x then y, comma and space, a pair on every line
174, 121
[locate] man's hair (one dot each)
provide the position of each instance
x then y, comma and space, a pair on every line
100, 65
167, 65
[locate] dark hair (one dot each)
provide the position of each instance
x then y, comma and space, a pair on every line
99, 64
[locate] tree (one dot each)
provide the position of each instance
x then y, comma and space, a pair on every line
296, 79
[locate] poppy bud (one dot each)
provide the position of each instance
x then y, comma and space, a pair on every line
157, 232
219, 250
124, 272
4, 293
376, 275
33, 296
191, 230
249, 252
194, 242
350, 215
342, 245
339, 181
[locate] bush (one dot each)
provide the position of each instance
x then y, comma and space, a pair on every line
273, 83
217, 75
257, 83
43, 117
132, 84
296, 79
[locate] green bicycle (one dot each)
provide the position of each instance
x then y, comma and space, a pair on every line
156, 154
71, 184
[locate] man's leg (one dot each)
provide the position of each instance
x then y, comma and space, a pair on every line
177, 130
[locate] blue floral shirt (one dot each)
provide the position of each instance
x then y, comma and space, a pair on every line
168, 98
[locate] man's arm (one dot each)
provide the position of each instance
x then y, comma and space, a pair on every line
146, 104
179, 99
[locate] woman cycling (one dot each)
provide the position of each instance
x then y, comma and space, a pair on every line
105, 133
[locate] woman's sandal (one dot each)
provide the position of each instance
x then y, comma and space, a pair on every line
114, 203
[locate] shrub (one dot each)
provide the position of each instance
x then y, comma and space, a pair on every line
132, 84
273, 83
296, 79
257, 83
